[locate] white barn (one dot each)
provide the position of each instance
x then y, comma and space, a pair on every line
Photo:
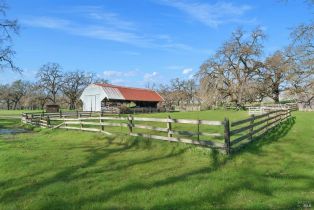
97, 97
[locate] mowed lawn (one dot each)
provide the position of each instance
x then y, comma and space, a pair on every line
79, 170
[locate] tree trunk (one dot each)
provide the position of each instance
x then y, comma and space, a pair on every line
14, 106
72, 105
276, 93
8, 104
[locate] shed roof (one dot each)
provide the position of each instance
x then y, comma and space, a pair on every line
132, 94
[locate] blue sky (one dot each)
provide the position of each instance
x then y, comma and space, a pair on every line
135, 42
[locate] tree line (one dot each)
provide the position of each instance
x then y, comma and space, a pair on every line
53, 86
238, 72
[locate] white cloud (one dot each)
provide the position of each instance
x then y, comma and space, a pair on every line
119, 74
118, 81
46, 22
113, 19
211, 15
187, 71
150, 77
89, 30
97, 23
100, 32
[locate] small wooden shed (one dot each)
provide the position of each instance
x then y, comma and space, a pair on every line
52, 108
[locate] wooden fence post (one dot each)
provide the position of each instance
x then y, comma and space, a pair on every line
198, 130
252, 128
102, 127
81, 125
169, 126
227, 135
40, 120
60, 113
48, 121
267, 122
77, 114
64, 122
130, 125
279, 118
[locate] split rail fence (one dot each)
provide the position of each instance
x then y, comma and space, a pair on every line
223, 135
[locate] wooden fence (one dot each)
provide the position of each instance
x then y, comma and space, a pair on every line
253, 127
224, 136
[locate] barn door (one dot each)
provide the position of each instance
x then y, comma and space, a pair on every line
91, 103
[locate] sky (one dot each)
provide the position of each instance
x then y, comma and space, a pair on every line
140, 42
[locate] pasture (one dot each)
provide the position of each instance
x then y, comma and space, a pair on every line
62, 169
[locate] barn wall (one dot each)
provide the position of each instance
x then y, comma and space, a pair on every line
92, 97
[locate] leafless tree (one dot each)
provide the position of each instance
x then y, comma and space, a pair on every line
99, 80
191, 91
179, 92
5, 95
275, 74
151, 86
227, 73
73, 84
18, 89
7, 29
50, 79
167, 94
301, 53
11, 94
37, 96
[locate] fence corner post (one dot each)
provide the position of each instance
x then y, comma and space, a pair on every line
101, 121
48, 121
252, 127
169, 126
130, 125
227, 135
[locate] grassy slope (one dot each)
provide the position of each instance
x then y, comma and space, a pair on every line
51, 170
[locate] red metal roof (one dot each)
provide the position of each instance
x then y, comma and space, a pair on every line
136, 94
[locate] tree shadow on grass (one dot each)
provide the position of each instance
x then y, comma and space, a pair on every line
68, 174
218, 200
9, 123
221, 198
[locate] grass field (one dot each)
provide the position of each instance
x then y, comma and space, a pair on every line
14, 113
17, 113
80, 170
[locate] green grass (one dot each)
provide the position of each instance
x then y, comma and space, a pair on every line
80, 170
5, 113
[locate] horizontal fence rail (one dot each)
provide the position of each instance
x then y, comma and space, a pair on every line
222, 135
255, 126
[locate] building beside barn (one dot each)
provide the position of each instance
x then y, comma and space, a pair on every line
100, 97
